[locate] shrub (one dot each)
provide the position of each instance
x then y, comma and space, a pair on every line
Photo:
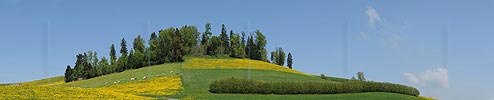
244, 86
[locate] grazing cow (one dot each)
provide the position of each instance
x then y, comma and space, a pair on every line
171, 71
132, 79
144, 77
115, 82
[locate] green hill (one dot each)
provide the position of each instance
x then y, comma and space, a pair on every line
195, 75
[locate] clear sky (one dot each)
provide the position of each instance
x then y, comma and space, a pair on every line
442, 47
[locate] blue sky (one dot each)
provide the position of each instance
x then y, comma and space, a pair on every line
442, 47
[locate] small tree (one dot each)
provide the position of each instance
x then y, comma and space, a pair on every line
289, 60
278, 56
139, 44
281, 56
360, 76
123, 49
113, 57
68, 74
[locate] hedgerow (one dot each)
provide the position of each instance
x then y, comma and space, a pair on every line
244, 86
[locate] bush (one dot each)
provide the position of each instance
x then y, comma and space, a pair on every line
244, 86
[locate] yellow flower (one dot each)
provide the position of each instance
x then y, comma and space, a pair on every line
58, 93
203, 63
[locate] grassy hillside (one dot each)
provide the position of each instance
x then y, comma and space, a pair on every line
189, 79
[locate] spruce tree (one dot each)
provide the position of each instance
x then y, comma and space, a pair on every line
289, 60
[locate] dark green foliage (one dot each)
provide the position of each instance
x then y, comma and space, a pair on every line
177, 47
87, 67
92, 59
190, 38
256, 48
236, 47
130, 61
68, 74
225, 41
289, 61
139, 44
153, 36
278, 56
138, 59
207, 33
82, 69
113, 56
152, 49
250, 47
244, 86
123, 49
261, 53
213, 46
121, 63
105, 66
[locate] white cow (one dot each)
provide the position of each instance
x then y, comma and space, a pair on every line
144, 77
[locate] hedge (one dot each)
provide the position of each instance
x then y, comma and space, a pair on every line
244, 86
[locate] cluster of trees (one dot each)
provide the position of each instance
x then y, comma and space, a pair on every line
170, 45
245, 86
278, 57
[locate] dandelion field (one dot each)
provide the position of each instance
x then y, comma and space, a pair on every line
204, 63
